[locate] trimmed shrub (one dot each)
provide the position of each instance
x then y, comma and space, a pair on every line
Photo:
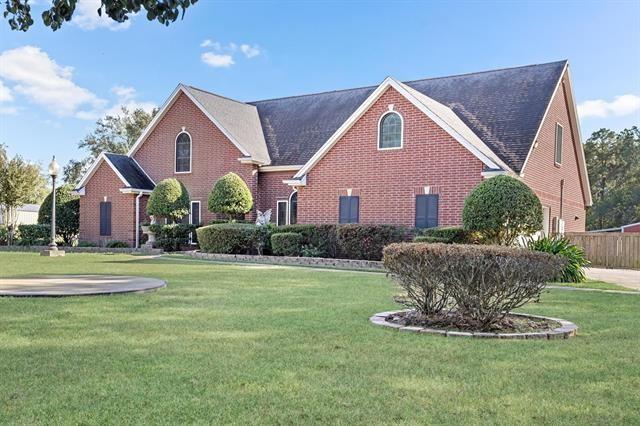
317, 240
83, 243
230, 196
232, 238
452, 234
116, 244
172, 237
4, 235
169, 199
428, 239
501, 209
286, 244
367, 241
34, 235
67, 213
484, 282
574, 256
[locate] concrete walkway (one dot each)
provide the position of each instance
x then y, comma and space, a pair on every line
77, 285
629, 278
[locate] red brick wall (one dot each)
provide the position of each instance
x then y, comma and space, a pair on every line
543, 176
271, 189
213, 155
387, 181
105, 183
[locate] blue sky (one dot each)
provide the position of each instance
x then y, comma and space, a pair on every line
55, 85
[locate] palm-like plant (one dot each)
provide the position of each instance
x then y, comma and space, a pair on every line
575, 258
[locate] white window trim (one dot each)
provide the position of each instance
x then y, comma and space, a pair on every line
401, 130
175, 153
289, 208
286, 209
555, 144
191, 217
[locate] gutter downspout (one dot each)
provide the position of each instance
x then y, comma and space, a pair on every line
138, 219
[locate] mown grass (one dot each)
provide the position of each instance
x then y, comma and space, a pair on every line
598, 285
260, 344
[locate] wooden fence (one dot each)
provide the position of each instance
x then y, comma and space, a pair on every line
609, 249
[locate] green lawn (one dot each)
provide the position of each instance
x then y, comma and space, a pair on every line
598, 285
260, 344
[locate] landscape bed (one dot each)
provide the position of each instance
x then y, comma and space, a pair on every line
230, 343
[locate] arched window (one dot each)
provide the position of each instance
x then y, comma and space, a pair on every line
183, 153
293, 208
390, 131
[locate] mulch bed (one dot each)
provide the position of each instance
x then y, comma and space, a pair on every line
452, 321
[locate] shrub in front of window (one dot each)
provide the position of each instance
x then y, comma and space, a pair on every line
67, 213
169, 199
232, 238
502, 208
452, 234
367, 241
574, 256
230, 196
34, 235
172, 237
116, 244
317, 240
482, 284
286, 244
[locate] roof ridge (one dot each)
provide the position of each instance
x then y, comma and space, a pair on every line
219, 96
408, 81
487, 71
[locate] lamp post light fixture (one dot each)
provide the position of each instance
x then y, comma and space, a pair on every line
53, 251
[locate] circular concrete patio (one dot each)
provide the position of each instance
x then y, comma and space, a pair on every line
76, 285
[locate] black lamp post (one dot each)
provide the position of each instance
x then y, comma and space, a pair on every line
54, 169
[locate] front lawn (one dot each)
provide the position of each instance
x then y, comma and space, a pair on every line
261, 344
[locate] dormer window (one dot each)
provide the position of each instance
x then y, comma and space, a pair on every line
183, 153
390, 131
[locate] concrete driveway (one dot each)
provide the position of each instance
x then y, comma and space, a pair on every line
629, 278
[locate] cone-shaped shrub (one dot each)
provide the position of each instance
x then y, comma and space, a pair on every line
230, 196
169, 199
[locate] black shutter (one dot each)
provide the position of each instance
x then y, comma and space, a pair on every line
426, 211
354, 211
344, 210
105, 218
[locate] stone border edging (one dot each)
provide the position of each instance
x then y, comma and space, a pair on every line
566, 330
81, 249
291, 261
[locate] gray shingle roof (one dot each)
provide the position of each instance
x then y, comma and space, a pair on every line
502, 107
131, 171
239, 119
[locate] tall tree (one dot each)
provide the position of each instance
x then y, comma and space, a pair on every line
113, 133
20, 183
19, 17
613, 163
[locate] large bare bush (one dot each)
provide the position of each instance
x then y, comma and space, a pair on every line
481, 283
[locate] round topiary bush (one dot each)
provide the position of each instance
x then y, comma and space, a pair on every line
67, 213
230, 196
169, 199
502, 208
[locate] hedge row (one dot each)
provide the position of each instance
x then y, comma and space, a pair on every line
335, 241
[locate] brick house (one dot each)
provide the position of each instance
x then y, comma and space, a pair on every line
397, 153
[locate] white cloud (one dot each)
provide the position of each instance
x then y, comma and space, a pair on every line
212, 44
126, 97
5, 93
8, 110
217, 61
44, 82
621, 105
86, 17
249, 51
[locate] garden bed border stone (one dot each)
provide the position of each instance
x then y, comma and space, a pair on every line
566, 330
320, 262
83, 249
